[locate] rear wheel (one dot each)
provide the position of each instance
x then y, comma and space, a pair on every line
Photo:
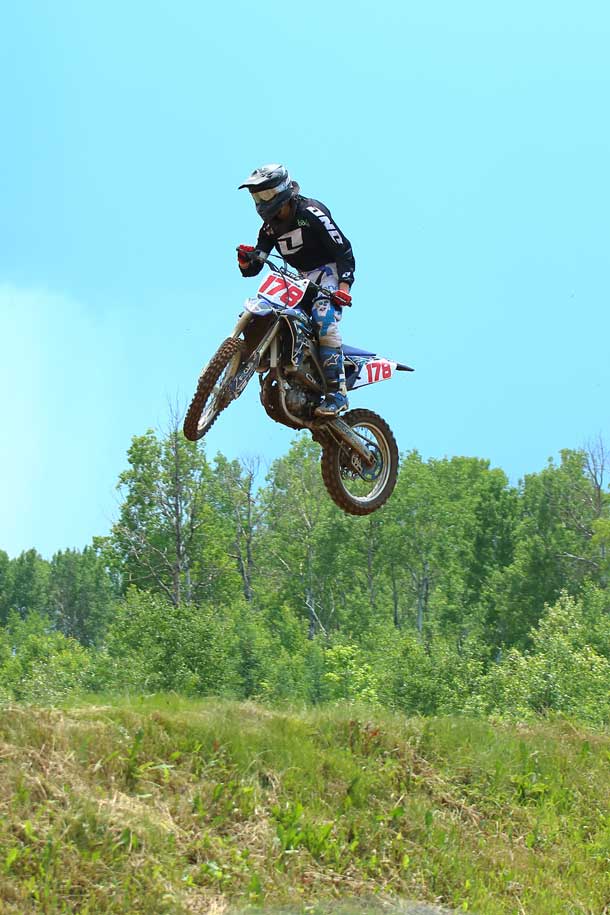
214, 390
356, 488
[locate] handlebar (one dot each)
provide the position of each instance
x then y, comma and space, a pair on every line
254, 256
320, 290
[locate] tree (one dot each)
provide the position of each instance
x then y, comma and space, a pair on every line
296, 513
80, 594
5, 586
237, 501
421, 537
171, 536
559, 544
25, 585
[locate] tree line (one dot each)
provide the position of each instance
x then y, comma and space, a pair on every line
463, 592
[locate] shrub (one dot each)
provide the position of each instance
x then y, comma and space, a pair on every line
562, 673
38, 664
153, 645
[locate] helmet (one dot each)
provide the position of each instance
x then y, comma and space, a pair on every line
271, 187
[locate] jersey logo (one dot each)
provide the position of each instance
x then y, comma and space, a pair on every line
290, 242
332, 230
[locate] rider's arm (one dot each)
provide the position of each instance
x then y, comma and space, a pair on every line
333, 241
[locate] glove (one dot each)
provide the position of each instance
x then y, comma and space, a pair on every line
341, 298
244, 256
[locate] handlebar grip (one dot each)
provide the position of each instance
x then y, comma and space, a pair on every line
250, 254
340, 302
243, 255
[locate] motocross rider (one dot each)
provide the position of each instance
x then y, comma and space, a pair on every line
305, 234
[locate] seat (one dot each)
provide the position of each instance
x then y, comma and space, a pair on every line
354, 351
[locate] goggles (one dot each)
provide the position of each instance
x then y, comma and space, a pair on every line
271, 192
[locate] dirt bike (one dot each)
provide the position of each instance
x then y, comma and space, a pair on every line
275, 338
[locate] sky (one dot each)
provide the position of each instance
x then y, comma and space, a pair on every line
463, 148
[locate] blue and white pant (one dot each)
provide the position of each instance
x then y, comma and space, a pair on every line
325, 314
326, 317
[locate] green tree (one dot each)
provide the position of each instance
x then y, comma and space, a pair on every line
171, 536
25, 585
295, 514
238, 505
80, 594
559, 545
5, 585
428, 537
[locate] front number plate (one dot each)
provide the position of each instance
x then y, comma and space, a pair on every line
281, 291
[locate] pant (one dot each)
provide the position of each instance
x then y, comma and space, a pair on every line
326, 317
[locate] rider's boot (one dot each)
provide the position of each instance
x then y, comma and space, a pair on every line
335, 401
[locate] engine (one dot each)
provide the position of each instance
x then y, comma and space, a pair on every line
298, 398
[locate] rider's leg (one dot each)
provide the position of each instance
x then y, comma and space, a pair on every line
327, 317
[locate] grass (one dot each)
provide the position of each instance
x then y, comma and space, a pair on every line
165, 805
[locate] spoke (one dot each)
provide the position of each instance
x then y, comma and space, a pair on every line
215, 402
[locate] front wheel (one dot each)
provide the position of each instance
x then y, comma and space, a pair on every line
357, 489
213, 392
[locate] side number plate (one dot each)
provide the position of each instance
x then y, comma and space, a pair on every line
378, 370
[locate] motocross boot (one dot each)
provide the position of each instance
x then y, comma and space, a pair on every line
335, 401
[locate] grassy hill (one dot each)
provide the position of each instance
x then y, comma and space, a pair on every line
163, 805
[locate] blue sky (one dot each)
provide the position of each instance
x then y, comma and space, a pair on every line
463, 148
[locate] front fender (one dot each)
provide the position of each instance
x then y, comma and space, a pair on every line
258, 307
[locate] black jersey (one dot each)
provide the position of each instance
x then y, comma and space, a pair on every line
309, 239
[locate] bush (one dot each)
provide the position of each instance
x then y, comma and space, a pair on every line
348, 676
153, 645
563, 673
427, 679
38, 664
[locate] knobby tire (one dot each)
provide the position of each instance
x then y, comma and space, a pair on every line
332, 454
205, 387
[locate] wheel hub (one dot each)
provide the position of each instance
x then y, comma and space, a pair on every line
354, 466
